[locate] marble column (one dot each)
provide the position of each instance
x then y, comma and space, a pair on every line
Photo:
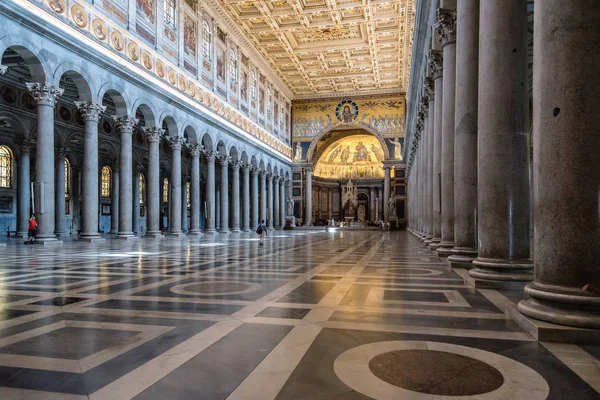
246, 198
224, 194
114, 198
89, 202
184, 203
329, 204
446, 28
465, 140
427, 236
59, 193
125, 128
270, 185
419, 162
318, 205
503, 150
263, 196
255, 217
135, 204
372, 215
282, 203
24, 190
218, 208
386, 192
235, 197
436, 71
429, 88
153, 194
276, 202
194, 150
210, 191
45, 95
308, 197
566, 148
176, 143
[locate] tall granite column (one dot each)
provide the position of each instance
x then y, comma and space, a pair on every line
176, 143
255, 214
282, 202
270, 181
276, 202
446, 28
114, 198
194, 150
386, 192
184, 203
429, 89
566, 148
465, 140
436, 71
224, 193
235, 196
153, 195
246, 198
210, 191
503, 149
426, 139
308, 197
421, 162
89, 204
24, 190
59, 193
372, 200
329, 204
218, 208
45, 95
135, 199
125, 128
263, 196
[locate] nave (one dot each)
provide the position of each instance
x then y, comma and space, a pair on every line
310, 315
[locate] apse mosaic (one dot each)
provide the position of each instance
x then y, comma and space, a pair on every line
384, 115
353, 157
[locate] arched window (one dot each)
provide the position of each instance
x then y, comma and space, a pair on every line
206, 39
189, 194
165, 195
253, 85
169, 13
105, 181
67, 177
5, 167
233, 66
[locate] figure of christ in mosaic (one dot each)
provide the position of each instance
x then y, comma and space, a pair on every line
360, 152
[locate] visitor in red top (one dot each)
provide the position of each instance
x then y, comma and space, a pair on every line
32, 229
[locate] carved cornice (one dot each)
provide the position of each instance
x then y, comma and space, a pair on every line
44, 93
436, 62
446, 26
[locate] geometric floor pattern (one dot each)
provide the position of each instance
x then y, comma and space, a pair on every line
309, 315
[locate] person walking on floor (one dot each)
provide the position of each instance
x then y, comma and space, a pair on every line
32, 230
262, 231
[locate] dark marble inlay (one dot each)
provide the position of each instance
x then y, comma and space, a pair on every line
11, 298
223, 309
277, 312
6, 313
308, 293
404, 295
436, 372
60, 301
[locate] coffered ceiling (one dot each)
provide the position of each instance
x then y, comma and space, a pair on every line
331, 47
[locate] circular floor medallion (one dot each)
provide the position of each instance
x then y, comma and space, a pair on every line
419, 370
215, 288
410, 271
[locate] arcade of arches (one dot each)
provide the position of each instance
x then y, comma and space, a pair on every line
428, 172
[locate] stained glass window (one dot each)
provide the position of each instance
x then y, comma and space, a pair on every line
105, 181
67, 176
166, 190
5, 167
169, 10
206, 39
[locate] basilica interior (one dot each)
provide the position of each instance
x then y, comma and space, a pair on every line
427, 173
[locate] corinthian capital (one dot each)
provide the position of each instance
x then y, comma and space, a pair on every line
153, 134
429, 91
436, 64
44, 93
195, 149
176, 142
424, 106
446, 26
90, 111
124, 123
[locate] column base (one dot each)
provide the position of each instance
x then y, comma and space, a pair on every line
234, 230
22, 235
435, 244
501, 274
224, 231
210, 232
91, 238
176, 234
246, 230
462, 257
48, 242
63, 234
445, 249
154, 235
126, 236
548, 332
194, 233
561, 305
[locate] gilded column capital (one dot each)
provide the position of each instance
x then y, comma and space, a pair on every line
153, 134
44, 93
436, 63
125, 124
176, 142
90, 111
446, 26
195, 149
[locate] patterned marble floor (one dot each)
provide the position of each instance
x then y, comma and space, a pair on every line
309, 315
